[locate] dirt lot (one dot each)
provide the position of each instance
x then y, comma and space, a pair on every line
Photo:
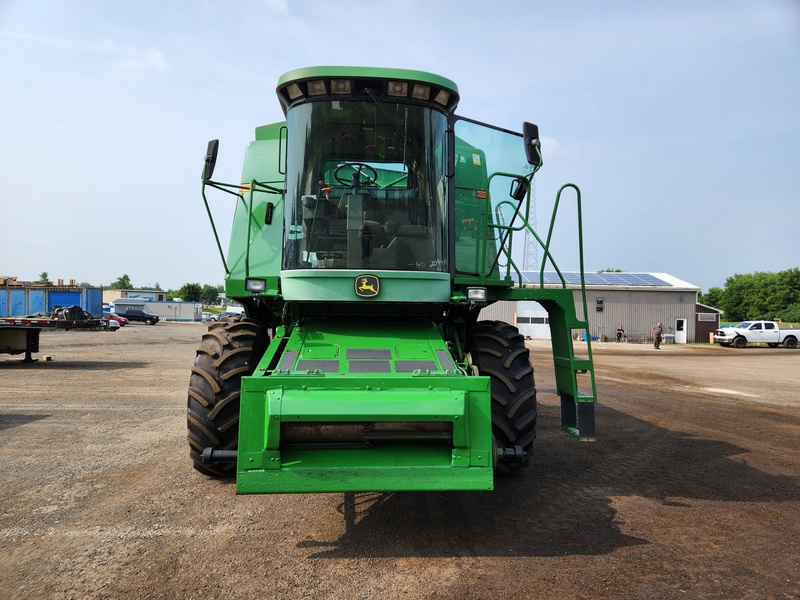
691, 491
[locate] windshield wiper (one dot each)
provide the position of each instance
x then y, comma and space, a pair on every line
388, 116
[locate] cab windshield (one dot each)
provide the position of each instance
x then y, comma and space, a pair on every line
366, 187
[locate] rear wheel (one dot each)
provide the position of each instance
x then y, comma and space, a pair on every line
790, 343
229, 350
498, 351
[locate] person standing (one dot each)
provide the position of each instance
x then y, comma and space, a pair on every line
620, 333
658, 332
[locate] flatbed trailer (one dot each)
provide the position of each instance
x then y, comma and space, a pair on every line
21, 334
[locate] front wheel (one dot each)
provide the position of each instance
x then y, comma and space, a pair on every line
739, 342
790, 343
230, 350
498, 351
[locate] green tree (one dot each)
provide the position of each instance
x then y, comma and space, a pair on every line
191, 292
122, 283
43, 276
210, 293
712, 298
760, 295
790, 314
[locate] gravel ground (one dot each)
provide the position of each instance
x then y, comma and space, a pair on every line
691, 491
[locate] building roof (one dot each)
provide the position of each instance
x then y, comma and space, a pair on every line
609, 280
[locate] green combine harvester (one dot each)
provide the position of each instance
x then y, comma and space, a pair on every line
370, 229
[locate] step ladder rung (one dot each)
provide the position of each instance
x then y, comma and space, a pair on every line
576, 364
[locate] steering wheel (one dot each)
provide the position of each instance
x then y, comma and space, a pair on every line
363, 175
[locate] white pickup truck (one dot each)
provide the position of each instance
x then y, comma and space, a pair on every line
757, 332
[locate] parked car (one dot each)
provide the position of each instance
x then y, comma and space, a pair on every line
225, 315
138, 315
112, 316
112, 325
207, 316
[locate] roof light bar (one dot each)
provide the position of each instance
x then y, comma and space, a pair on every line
294, 91
317, 87
421, 92
443, 97
397, 88
340, 86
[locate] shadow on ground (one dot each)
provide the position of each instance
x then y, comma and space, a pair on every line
15, 420
562, 505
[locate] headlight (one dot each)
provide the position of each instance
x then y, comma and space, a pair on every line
476, 294
255, 285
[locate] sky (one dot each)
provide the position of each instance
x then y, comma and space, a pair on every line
679, 122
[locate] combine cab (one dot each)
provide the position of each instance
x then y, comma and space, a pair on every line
370, 228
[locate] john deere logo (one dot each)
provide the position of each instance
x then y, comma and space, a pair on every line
367, 286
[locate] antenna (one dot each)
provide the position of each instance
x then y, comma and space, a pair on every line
530, 260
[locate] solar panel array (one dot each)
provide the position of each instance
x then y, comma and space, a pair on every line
608, 279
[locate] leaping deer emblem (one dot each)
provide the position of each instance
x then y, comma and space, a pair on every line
368, 285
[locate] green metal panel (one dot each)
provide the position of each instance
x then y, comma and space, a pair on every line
337, 285
249, 231
418, 382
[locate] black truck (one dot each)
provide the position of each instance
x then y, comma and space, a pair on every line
137, 315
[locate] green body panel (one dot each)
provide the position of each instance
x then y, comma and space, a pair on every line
254, 244
332, 285
342, 374
472, 211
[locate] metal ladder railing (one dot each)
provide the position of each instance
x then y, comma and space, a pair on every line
577, 402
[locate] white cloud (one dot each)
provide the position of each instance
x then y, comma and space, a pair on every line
130, 58
279, 6
146, 60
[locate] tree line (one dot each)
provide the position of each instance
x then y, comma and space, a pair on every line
755, 296
760, 295
190, 292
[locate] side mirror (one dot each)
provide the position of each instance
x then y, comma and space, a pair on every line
530, 133
519, 189
210, 159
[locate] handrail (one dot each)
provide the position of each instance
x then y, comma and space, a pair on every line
253, 186
506, 249
223, 187
580, 240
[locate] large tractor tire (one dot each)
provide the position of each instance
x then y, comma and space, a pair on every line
229, 350
498, 351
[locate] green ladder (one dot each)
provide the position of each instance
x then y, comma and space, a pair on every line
578, 395
577, 401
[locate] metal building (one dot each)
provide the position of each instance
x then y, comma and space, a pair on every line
20, 298
110, 295
168, 310
635, 301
